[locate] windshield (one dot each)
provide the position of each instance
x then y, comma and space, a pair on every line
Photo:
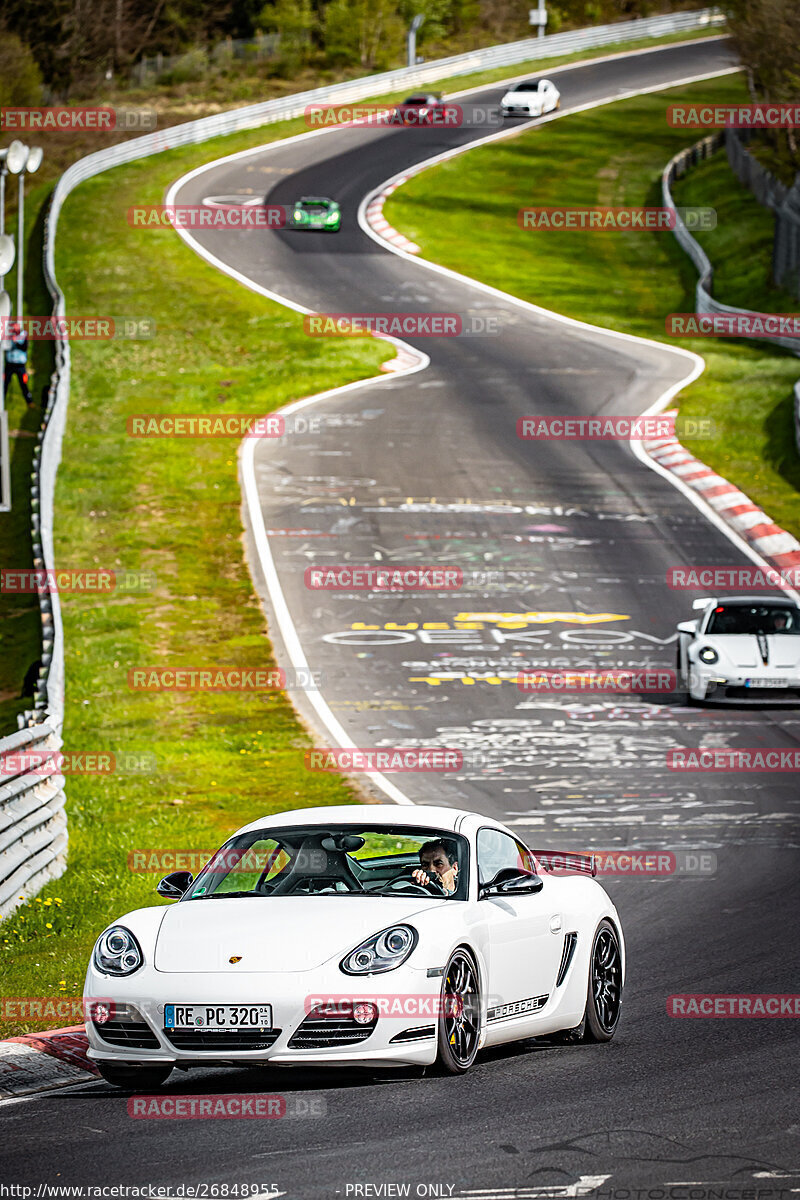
419, 100
531, 85
754, 618
340, 860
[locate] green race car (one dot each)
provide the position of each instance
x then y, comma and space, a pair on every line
316, 212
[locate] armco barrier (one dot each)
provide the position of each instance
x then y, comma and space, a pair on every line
48, 838
704, 301
33, 824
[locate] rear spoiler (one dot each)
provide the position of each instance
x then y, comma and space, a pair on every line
566, 860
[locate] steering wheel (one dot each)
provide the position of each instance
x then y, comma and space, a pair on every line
427, 889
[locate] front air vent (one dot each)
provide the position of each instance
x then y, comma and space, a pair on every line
420, 1033
570, 942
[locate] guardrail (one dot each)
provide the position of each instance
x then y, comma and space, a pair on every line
33, 824
676, 168
49, 696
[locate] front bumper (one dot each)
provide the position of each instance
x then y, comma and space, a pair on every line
140, 1036
742, 687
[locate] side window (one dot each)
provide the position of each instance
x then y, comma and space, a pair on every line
497, 850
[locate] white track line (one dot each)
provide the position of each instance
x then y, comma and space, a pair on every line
280, 606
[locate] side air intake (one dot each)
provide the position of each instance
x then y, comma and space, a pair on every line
570, 942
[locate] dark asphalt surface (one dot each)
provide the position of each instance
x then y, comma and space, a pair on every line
425, 470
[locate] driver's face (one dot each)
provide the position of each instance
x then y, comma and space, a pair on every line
436, 862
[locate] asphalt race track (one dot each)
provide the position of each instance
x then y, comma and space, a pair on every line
426, 469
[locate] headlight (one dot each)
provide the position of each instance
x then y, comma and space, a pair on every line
707, 654
331, 217
117, 952
299, 215
383, 952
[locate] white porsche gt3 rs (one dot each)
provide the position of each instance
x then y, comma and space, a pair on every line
741, 649
365, 935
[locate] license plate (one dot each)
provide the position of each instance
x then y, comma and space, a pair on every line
765, 683
218, 1018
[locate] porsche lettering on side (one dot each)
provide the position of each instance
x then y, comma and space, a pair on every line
531, 98
741, 649
363, 935
316, 212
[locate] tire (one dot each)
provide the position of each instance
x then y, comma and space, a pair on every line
604, 993
459, 1023
134, 1078
594, 1024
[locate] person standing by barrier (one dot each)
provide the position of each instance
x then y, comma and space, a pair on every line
17, 362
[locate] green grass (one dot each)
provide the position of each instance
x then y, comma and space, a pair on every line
171, 507
740, 248
462, 214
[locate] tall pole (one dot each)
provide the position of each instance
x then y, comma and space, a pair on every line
20, 237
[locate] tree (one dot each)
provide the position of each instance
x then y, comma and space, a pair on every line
295, 22
767, 36
369, 33
20, 78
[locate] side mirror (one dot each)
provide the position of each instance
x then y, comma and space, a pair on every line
511, 882
689, 627
173, 886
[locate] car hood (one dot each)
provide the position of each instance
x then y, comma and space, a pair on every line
742, 649
512, 95
284, 933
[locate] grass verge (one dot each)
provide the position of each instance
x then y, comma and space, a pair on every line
462, 213
740, 248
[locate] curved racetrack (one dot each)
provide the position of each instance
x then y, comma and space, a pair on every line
424, 469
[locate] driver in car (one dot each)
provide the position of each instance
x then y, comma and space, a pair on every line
439, 864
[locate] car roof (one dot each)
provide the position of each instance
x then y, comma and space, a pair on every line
315, 200
419, 815
766, 599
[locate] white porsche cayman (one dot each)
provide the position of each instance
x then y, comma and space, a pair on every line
740, 649
364, 935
